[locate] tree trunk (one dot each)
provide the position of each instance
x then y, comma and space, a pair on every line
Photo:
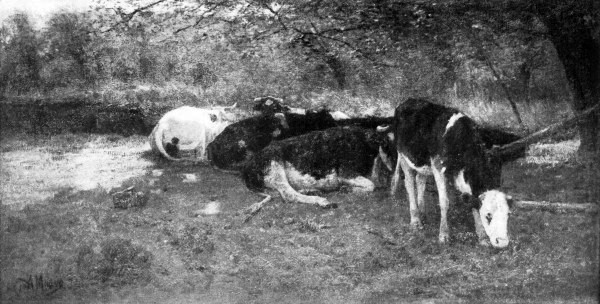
578, 48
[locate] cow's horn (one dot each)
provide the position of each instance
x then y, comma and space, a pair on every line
382, 129
280, 100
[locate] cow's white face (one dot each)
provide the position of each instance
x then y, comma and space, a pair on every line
494, 211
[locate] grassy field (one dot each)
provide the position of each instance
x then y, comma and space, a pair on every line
64, 242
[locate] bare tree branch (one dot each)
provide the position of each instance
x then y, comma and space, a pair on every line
200, 19
543, 133
126, 17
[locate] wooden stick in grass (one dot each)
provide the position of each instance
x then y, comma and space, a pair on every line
254, 208
588, 207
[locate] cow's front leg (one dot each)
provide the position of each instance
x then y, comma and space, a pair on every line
440, 181
376, 171
277, 179
481, 235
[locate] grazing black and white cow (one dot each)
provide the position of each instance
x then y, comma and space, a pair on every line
270, 104
431, 139
230, 148
321, 160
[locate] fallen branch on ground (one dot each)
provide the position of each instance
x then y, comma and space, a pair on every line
313, 226
588, 207
386, 238
254, 208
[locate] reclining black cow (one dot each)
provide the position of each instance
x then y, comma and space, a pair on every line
320, 160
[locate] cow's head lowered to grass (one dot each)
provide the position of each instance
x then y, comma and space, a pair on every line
492, 209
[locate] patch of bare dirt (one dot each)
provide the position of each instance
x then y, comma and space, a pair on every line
33, 174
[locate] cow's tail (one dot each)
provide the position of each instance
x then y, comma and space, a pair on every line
158, 141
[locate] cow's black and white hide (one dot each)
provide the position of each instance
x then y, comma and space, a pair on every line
317, 161
431, 139
237, 141
270, 105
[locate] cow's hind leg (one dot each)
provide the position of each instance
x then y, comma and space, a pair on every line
421, 183
396, 176
409, 184
277, 179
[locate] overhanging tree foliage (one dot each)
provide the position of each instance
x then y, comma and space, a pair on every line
383, 33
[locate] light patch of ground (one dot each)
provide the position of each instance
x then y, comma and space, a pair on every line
551, 153
31, 175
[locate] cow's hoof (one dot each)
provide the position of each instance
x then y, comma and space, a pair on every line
416, 225
444, 238
328, 205
313, 192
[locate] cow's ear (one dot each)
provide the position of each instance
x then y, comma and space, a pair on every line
510, 201
373, 139
383, 129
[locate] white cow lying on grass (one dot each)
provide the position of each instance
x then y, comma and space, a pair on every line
189, 129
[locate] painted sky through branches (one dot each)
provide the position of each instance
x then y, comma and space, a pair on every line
40, 10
